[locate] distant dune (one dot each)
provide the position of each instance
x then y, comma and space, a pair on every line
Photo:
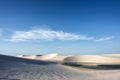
105, 59
50, 57
16, 68
92, 60
112, 55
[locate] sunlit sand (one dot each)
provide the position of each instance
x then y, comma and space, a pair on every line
47, 67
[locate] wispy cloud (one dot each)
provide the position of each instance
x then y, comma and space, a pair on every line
104, 39
46, 34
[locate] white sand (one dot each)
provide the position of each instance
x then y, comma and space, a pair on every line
112, 55
13, 68
92, 60
48, 57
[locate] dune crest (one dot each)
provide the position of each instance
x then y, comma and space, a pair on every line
50, 57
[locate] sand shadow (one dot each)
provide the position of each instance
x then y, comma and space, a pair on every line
98, 67
4, 58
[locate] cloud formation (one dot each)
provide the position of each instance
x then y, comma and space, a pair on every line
42, 34
104, 39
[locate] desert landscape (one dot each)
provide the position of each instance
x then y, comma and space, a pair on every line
59, 39
60, 67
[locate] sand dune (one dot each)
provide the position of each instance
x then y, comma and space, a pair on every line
14, 68
112, 55
40, 57
59, 58
105, 59
28, 56
92, 60
48, 57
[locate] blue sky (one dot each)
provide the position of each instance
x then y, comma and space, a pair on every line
59, 26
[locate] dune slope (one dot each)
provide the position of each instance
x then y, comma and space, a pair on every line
13, 68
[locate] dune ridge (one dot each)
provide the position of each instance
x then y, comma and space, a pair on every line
50, 57
105, 59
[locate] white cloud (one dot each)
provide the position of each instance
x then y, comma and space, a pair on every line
42, 34
104, 39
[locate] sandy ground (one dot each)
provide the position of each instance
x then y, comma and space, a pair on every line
13, 68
